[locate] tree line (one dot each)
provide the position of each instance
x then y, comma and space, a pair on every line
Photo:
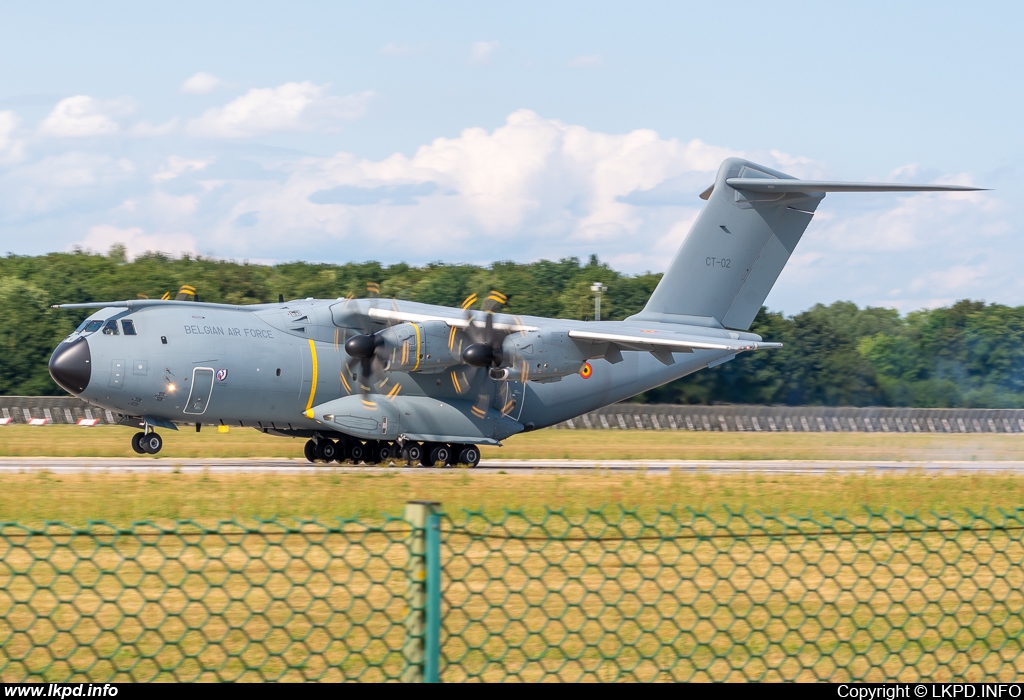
967, 355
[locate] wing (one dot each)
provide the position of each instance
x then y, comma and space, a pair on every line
655, 341
453, 317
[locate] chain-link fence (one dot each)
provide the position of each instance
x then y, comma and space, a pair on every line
610, 594
228, 601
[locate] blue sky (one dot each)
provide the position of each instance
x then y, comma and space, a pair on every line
477, 132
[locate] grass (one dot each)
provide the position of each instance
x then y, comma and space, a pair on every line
114, 441
124, 498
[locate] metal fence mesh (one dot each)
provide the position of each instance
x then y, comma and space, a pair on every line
610, 594
188, 602
687, 596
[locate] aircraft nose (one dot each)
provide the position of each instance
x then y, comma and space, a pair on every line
71, 365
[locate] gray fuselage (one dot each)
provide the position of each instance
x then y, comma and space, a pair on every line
270, 366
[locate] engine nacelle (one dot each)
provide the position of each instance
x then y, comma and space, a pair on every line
420, 347
540, 356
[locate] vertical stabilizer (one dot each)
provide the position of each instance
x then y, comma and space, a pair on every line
739, 244
735, 251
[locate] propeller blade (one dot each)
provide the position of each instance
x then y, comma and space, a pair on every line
480, 409
460, 381
494, 300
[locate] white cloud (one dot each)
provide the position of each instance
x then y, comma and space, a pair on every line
9, 121
83, 116
591, 61
11, 148
177, 166
481, 51
395, 49
289, 107
136, 241
202, 83
75, 169
551, 187
150, 130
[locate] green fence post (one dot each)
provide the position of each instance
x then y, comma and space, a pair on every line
417, 514
432, 645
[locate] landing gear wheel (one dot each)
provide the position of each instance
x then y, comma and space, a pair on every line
151, 443
357, 452
453, 455
309, 451
413, 453
386, 453
326, 450
469, 456
137, 443
439, 453
372, 452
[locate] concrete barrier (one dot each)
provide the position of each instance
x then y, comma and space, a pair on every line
801, 419
53, 409
629, 416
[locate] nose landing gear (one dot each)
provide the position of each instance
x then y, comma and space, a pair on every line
147, 443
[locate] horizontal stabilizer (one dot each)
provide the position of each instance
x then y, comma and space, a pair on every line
759, 184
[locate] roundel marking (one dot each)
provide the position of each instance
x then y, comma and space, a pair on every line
586, 371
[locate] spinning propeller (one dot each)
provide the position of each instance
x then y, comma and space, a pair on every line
366, 351
482, 349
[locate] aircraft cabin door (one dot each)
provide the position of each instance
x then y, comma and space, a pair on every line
509, 398
199, 395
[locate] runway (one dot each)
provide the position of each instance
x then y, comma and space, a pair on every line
69, 465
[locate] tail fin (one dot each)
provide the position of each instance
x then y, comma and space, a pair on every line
742, 239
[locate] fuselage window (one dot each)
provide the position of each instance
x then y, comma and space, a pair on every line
110, 328
128, 327
92, 326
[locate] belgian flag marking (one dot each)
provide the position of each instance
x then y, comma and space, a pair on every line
586, 371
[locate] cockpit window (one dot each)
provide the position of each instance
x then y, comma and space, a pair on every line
110, 328
128, 327
92, 326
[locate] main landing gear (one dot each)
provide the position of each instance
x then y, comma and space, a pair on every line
147, 443
381, 452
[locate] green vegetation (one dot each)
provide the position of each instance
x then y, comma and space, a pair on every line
969, 354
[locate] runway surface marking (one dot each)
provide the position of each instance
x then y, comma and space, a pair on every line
522, 466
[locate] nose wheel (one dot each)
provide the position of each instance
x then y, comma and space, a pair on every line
147, 443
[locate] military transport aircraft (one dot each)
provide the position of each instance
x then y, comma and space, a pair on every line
372, 380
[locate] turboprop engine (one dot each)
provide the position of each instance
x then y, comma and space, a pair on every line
539, 356
418, 347
433, 346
